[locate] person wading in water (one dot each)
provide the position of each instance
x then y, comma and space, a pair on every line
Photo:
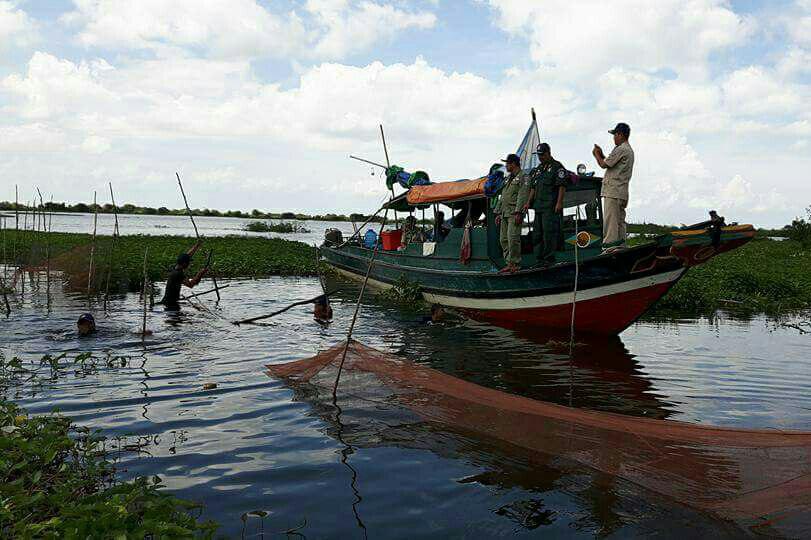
177, 278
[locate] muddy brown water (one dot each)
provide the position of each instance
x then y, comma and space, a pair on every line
255, 444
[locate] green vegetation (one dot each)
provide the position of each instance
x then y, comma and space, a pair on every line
55, 477
800, 230
233, 256
764, 275
405, 294
280, 227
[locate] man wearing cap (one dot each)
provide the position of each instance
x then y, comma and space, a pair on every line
619, 166
547, 188
177, 278
510, 212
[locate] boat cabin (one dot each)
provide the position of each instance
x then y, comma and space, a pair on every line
465, 204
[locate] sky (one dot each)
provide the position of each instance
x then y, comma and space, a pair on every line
258, 104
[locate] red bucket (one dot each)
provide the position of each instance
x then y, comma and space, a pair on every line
391, 239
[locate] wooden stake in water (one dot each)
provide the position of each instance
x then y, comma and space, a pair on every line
112, 249
357, 307
144, 294
92, 246
48, 255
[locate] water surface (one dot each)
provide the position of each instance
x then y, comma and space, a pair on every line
255, 444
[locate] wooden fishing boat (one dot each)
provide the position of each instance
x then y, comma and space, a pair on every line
609, 289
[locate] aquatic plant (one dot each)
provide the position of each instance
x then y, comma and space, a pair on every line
280, 227
404, 294
233, 257
762, 276
58, 483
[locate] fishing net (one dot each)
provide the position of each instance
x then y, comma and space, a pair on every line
759, 479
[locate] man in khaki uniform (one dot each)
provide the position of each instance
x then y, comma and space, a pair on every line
510, 212
619, 166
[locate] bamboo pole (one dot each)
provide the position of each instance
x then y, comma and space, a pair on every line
294, 304
197, 232
92, 246
388, 164
143, 326
22, 263
357, 308
195, 295
112, 249
16, 226
48, 256
186, 202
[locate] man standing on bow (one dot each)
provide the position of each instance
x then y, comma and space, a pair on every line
547, 188
510, 213
619, 166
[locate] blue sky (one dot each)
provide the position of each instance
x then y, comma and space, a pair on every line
258, 103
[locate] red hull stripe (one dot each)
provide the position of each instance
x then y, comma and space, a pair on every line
604, 315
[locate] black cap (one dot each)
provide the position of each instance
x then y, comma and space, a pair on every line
86, 318
512, 158
543, 148
184, 258
622, 128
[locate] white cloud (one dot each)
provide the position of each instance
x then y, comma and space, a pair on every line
16, 27
347, 29
755, 91
589, 37
233, 29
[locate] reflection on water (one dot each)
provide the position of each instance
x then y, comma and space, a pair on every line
252, 444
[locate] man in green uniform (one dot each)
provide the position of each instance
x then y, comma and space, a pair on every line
510, 213
547, 188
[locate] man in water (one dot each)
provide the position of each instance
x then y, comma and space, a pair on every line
510, 213
547, 189
86, 324
177, 278
619, 166
322, 310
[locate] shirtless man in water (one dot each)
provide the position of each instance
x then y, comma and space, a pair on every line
177, 278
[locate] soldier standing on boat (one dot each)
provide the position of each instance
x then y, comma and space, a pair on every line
619, 166
510, 212
547, 189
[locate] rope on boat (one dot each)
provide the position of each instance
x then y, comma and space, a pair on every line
574, 302
357, 307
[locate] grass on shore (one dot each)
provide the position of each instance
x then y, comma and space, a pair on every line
284, 227
763, 276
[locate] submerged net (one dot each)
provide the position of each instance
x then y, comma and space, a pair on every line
757, 478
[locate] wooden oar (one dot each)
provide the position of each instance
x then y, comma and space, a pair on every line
301, 303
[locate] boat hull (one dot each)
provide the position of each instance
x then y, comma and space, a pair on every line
613, 289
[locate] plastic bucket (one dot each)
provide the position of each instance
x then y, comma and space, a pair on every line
391, 239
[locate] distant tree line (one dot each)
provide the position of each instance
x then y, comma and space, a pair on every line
638, 228
83, 208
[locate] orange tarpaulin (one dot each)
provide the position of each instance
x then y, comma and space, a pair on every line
446, 191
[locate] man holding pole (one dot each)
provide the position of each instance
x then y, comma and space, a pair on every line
177, 278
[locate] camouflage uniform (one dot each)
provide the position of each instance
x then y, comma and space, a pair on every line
546, 181
514, 196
